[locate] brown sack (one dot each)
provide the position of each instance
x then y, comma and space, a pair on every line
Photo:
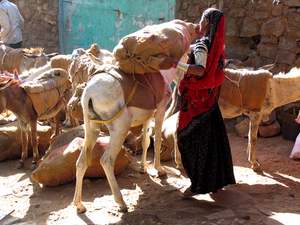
59, 166
46, 89
140, 51
169, 127
61, 61
10, 58
74, 104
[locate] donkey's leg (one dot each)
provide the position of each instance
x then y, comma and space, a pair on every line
255, 119
24, 139
159, 118
145, 144
57, 122
91, 134
118, 131
177, 152
34, 143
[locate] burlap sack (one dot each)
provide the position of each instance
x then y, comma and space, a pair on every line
59, 166
140, 51
11, 143
61, 61
74, 104
81, 69
10, 58
46, 89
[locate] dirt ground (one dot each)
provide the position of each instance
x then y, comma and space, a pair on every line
268, 197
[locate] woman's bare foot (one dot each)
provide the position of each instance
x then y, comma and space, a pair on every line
188, 193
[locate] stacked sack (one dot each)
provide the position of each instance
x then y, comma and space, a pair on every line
47, 89
140, 52
58, 166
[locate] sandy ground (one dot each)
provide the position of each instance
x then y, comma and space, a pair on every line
270, 197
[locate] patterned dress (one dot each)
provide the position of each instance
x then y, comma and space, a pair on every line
202, 135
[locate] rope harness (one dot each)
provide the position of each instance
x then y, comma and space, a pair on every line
237, 84
128, 99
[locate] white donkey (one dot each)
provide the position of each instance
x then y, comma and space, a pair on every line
102, 99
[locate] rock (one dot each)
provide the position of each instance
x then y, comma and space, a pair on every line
269, 119
270, 130
221, 215
249, 28
284, 56
288, 43
243, 128
274, 26
292, 3
267, 50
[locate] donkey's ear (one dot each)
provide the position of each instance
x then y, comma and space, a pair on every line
267, 67
5, 83
52, 54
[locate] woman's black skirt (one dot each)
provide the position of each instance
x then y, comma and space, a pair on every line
205, 152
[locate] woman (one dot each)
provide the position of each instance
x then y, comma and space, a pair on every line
201, 132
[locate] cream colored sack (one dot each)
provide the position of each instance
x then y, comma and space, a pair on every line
46, 89
59, 165
140, 51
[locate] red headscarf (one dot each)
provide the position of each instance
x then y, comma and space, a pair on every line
198, 98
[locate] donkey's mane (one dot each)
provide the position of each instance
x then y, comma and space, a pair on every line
294, 72
34, 51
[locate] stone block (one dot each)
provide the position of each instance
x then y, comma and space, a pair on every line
288, 43
237, 12
274, 26
284, 56
265, 121
267, 50
249, 28
269, 130
243, 128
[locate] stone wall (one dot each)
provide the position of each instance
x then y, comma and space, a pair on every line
41, 23
258, 32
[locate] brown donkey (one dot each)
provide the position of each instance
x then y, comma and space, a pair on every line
13, 97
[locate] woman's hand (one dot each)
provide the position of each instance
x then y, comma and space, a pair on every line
167, 63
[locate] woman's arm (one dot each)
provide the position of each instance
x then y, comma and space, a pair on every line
191, 68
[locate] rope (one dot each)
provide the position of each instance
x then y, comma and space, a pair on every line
45, 95
58, 99
237, 84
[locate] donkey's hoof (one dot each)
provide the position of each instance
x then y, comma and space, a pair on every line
20, 165
256, 168
81, 209
162, 173
123, 210
143, 170
33, 166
